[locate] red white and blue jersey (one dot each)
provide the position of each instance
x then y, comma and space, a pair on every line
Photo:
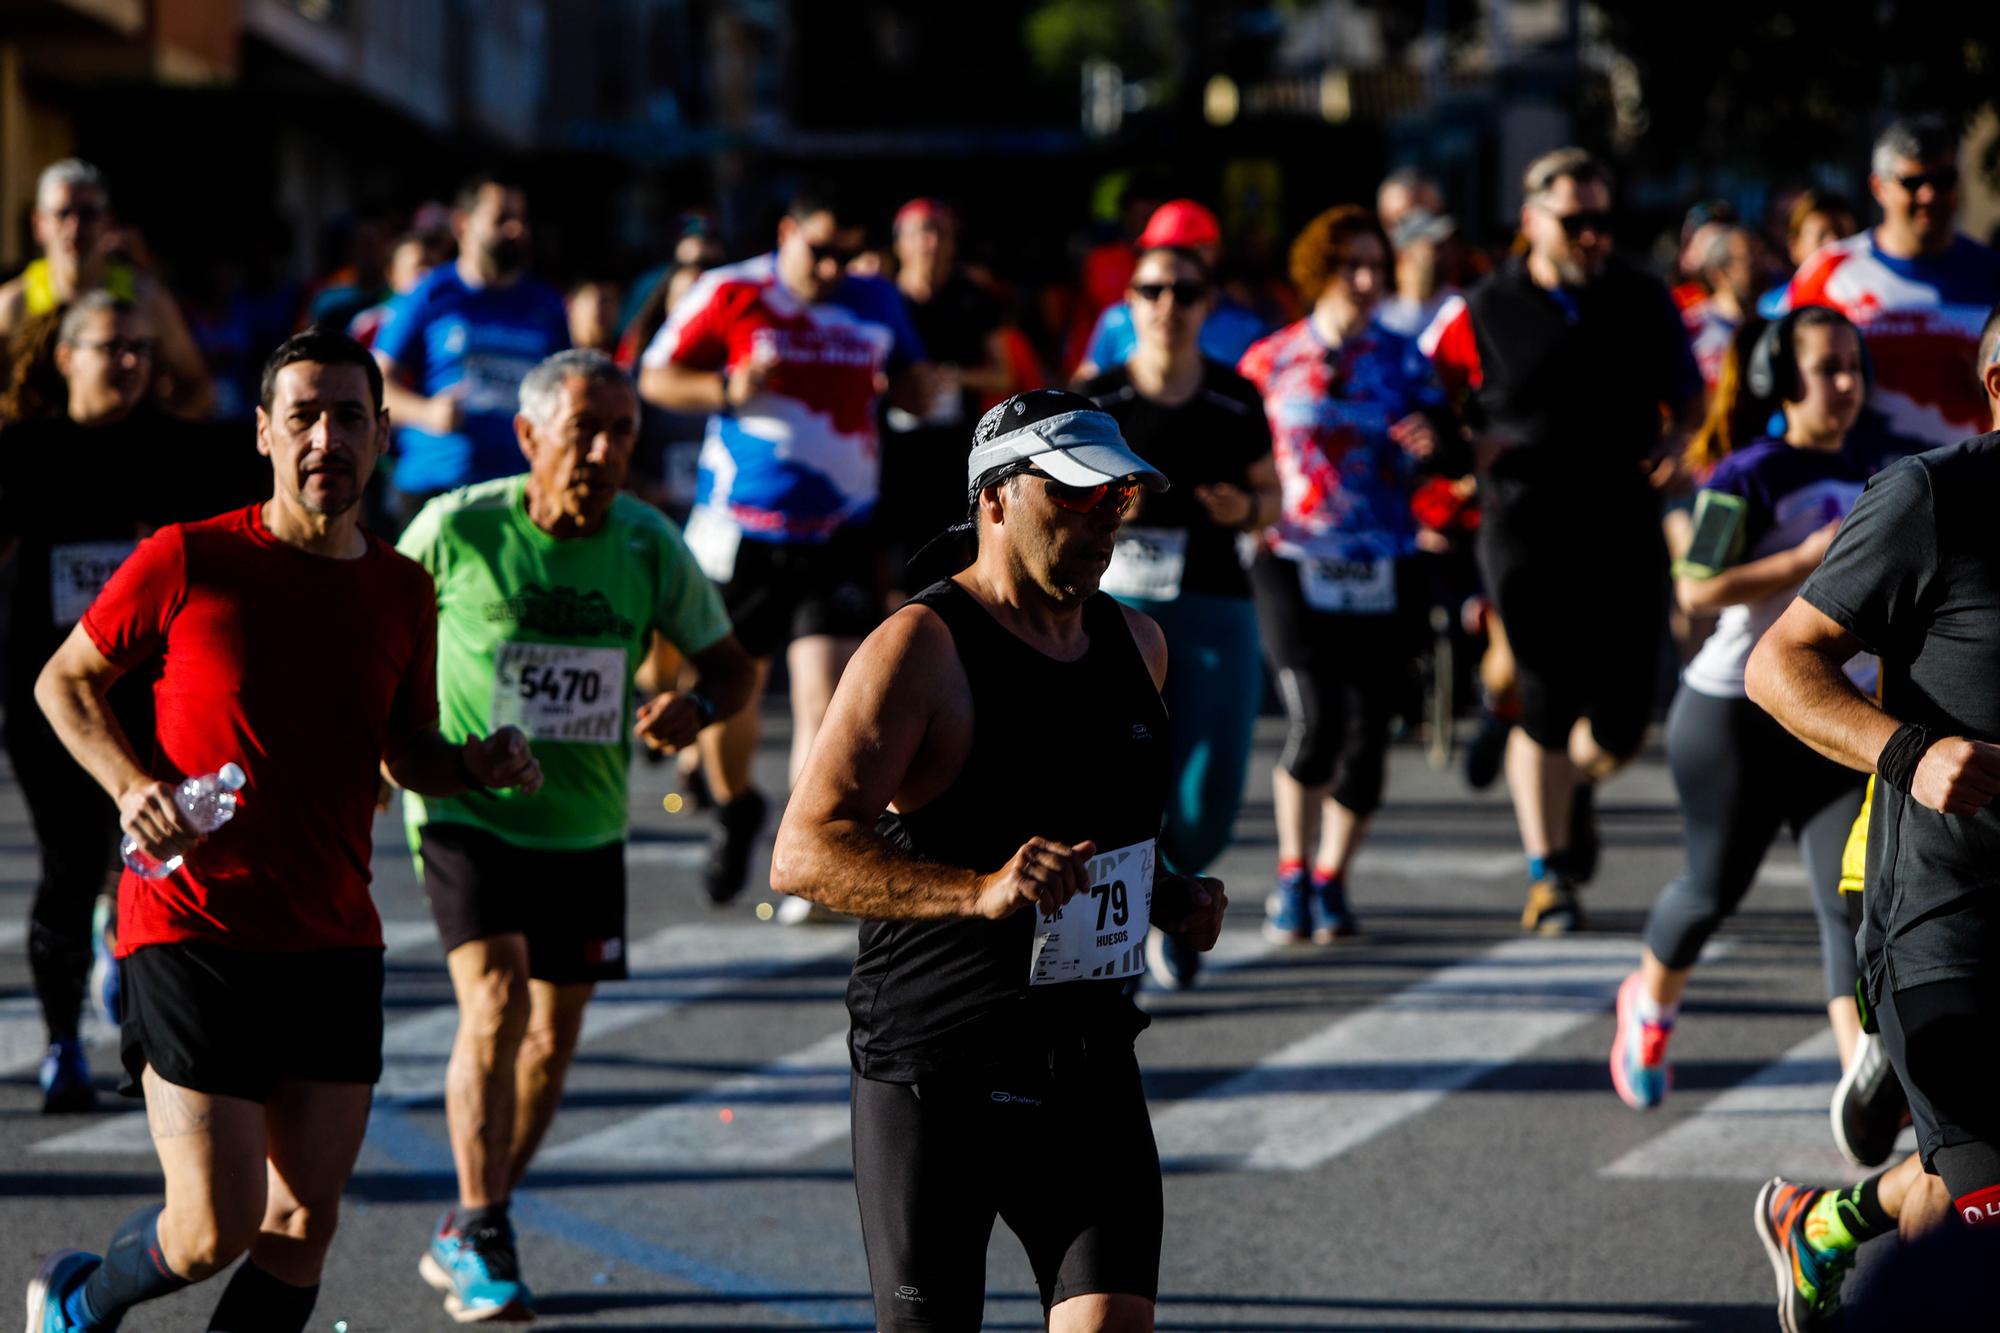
801, 459
1345, 484
1921, 320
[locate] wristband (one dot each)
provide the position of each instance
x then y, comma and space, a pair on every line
1897, 764
703, 705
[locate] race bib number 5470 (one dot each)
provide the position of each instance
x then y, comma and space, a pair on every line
1099, 935
556, 692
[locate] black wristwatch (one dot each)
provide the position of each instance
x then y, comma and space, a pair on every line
703, 705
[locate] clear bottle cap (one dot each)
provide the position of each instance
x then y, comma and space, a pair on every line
230, 776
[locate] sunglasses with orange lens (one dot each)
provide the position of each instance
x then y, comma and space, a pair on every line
1121, 496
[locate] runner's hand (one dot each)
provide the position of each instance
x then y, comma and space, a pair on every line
503, 760
1957, 776
447, 409
1416, 435
1191, 907
1044, 872
668, 722
148, 813
1230, 506
746, 382
1813, 549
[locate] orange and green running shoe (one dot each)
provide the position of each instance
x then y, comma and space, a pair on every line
1808, 1263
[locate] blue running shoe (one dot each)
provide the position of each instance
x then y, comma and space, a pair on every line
1639, 1068
107, 986
66, 1079
1287, 915
1332, 918
59, 1275
478, 1272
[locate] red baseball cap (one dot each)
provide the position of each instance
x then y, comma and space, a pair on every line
925, 210
1181, 222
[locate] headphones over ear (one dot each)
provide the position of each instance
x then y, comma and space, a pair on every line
1772, 373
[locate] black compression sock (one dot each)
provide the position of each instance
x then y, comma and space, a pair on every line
1861, 1210
256, 1302
133, 1270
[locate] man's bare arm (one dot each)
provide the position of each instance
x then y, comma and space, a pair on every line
680, 388
892, 700
1152, 643
71, 691
1795, 675
827, 847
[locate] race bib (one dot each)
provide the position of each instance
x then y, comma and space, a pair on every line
1101, 935
557, 692
713, 538
1147, 563
1361, 586
78, 572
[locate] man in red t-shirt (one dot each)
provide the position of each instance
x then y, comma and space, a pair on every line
288, 641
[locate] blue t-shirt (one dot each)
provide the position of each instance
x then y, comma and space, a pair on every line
443, 333
1225, 335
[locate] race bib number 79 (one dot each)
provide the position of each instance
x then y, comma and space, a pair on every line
557, 692
1099, 935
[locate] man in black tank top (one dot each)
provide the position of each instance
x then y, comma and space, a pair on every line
985, 794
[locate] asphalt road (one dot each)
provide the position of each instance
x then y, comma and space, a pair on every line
1410, 1130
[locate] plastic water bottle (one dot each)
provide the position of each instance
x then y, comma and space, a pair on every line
208, 802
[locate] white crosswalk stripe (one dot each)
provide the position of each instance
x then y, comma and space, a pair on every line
1334, 1090
1294, 1109
780, 1112
1773, 1123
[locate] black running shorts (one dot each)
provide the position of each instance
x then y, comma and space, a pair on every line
780, 592
1939, 1037
1583, 597
569, 905
1063, 1155
236, 1024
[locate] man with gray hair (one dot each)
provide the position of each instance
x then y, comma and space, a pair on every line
72, 225
1918, 291
550, 588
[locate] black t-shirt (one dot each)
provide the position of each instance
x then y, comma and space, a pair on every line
1915, 575
956, 322
1574, 381
923, 462
77, 499
1214, 437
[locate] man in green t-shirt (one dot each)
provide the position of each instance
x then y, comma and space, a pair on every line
550, 587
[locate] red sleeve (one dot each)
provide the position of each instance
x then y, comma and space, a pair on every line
697, 336
128, 622
415, 707
1808, 285
1456, 355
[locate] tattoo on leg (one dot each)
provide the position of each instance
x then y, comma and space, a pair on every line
173, 1112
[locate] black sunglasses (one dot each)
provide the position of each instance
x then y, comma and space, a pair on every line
1589, 219
1185, 293
839, 254
1943, 180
